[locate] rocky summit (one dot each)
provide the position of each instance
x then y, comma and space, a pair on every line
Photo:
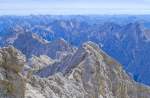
87, 73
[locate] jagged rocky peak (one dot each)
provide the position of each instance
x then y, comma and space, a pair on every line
89, 73
12, 83
92, 72
102, 76
85, 50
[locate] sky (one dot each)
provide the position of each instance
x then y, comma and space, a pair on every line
25, 7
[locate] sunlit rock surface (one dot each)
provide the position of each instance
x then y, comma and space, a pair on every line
12, 83
40, 62
89, 73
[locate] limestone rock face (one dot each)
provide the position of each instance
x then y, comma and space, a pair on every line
101, 76
12, 83
89, 73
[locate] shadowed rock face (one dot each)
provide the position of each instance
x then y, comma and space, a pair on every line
12, 84
93, 73
32, 44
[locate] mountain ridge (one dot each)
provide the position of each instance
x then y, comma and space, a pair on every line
123, 37
95, 71
90, 73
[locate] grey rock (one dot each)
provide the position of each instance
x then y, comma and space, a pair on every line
89, 73
12, 83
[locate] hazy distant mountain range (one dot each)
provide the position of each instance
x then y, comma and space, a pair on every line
125, 38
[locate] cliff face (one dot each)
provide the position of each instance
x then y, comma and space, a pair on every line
12, 83
89, 73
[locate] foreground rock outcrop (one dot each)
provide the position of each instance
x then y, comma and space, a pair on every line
89, 73
12, 83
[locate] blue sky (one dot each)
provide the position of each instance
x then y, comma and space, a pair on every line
24, 7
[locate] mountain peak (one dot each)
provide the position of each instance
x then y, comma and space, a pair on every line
91, 44
101, 75
96, 74
89, 70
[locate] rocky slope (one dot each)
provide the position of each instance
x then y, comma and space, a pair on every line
89, 73
101, 76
